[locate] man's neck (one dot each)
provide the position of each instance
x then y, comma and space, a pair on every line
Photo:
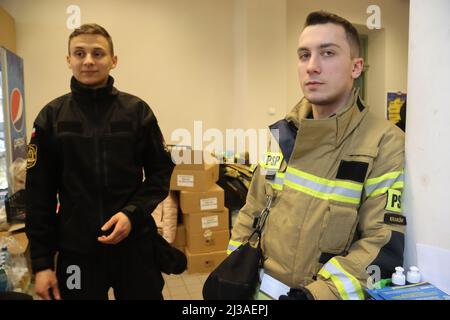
325, 111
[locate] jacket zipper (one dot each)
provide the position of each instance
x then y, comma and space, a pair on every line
98, 171
105, 167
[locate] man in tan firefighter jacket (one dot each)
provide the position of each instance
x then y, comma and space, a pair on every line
336, 180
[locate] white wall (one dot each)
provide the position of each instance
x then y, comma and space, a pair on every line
226, 62
427, 150
176, 55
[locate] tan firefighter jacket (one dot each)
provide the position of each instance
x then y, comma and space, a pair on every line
336, 210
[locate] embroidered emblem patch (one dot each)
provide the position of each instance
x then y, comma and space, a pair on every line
272, 160
31, 155
393, 218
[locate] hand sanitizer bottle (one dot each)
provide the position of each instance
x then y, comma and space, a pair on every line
413, 275
398, 278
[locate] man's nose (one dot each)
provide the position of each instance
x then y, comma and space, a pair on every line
313, 64
88, 59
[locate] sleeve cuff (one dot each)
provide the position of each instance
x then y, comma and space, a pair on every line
131, 211
43, 263
320, 291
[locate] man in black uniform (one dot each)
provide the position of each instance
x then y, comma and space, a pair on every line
90, 148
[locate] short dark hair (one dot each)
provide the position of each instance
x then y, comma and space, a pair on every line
323, 17
92, 28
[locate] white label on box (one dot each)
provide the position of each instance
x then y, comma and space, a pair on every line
185, 180
208, 204
210, 222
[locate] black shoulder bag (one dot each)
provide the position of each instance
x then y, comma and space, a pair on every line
236, 278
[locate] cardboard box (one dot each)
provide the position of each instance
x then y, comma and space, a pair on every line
204, 262
207, 241
200, 221
194, 180
180, 238
210, 200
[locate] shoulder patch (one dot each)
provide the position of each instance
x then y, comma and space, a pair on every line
394, 200
272, 161
393, 218
31, 155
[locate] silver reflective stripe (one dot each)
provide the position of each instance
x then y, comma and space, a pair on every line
337, 190
231, 247
346, 282
278, 180
383, 184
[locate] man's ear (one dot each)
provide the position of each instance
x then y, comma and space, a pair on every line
68, 62
114, 62
358, 67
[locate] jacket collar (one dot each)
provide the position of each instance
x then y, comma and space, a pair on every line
86, 93
333, 129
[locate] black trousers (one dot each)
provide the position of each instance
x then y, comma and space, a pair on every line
128, 267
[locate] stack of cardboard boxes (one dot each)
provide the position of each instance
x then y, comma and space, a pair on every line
206, 220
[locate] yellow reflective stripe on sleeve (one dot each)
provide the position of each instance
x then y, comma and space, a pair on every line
338, 284
380, 185
233, 245
341, 278
322, 188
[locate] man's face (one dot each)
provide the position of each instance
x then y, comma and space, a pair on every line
326, 69
90, 59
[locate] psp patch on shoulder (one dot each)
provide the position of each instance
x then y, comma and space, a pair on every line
31, 155
272, 161
393, 218
394, 200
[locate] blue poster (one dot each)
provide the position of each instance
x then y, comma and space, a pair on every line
16, 103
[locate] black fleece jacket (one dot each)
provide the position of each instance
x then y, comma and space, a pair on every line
92, 148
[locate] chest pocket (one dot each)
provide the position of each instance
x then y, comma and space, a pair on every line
120, 155
338, 228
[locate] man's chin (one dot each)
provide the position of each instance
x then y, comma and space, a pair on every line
317, 100
89, 82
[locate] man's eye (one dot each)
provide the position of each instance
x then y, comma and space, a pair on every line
79, 54
303, 56
98, 54
328, 53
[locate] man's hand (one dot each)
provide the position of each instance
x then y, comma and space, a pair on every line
300, 293
122, 228
44, 283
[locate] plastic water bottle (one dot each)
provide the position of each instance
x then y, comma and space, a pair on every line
4, 281
398, 278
